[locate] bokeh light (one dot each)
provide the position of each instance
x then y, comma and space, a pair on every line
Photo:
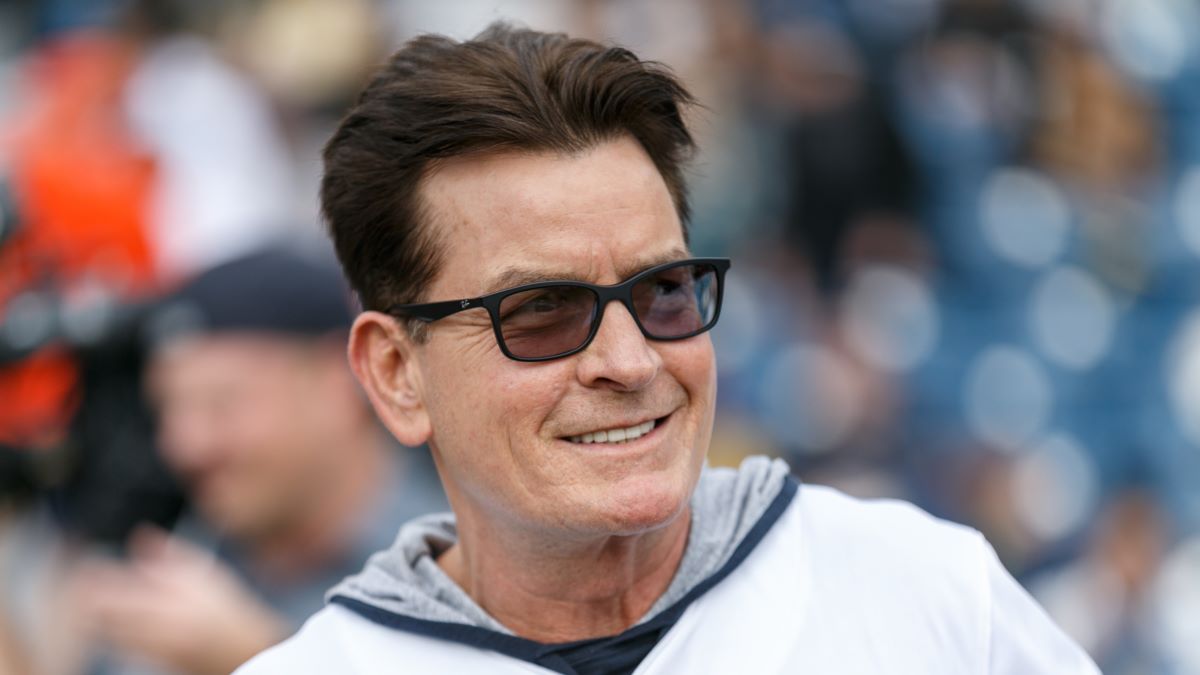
1182, 373
1008, 397
808, 399
1150, 38
1024, 217
1055, 488
890, 317
1072, 318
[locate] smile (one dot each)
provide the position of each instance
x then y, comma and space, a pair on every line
616, 435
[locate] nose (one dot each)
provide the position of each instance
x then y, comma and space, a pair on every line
619, 357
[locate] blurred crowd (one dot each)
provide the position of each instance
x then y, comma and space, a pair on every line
966, 272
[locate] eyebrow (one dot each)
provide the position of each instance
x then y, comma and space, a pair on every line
519, 276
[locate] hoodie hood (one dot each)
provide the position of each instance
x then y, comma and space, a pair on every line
406, 580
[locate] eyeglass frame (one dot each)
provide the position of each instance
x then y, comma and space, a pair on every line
429, 312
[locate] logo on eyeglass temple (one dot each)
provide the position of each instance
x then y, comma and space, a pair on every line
465, 303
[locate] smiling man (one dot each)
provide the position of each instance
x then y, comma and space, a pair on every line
512, 213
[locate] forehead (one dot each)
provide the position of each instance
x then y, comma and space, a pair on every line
223, 359
501, 218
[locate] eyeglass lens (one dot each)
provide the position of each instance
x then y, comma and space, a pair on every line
671, 303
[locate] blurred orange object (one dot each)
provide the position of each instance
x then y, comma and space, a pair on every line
81, 186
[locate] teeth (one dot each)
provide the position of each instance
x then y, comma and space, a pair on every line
615, 435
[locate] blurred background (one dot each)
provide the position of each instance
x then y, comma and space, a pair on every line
965, 233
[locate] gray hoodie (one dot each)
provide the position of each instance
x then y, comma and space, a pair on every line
406, 580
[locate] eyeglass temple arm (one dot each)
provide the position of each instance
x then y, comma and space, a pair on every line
432, 311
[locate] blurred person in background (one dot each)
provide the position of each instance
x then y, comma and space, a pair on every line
74, 188
75, 244
133, 157
292, 480
1104, 597
225, 170
843, 164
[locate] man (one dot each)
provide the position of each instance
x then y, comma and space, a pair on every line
293, 481
488, 199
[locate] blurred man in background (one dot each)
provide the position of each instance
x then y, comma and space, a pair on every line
293, 483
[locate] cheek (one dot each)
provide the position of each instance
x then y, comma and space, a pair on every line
694, 367
693, 364
271, 434
486, 420
268, 415
495, 406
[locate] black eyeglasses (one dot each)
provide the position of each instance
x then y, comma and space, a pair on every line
551, 319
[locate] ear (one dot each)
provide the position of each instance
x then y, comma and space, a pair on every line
382, 355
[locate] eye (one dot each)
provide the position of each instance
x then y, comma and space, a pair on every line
673, 282
546, 302
663, 286
544, 307
542, 301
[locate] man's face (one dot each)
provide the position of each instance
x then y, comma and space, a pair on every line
248, 423
501, 428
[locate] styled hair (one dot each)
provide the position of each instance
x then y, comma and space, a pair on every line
505, 89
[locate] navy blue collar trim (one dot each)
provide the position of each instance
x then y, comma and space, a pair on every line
547, 655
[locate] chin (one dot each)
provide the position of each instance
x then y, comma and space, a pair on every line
643, 504
235, 519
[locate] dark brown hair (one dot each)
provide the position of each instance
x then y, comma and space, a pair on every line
507, 88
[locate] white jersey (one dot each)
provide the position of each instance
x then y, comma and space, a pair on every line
837, 585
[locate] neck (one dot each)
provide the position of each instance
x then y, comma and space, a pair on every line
565, 591
325, 528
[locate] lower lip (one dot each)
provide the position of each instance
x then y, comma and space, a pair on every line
630, 445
